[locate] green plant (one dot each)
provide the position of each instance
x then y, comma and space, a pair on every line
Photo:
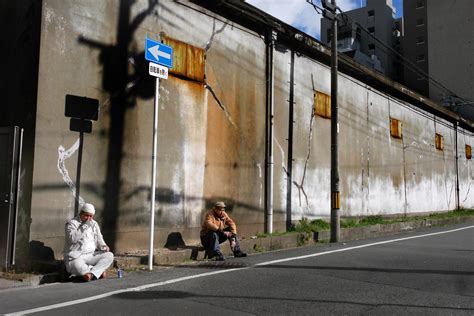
303, 239
306, 226
372, 220
348, 223
258, 248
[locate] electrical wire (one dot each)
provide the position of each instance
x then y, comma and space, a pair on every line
402, 60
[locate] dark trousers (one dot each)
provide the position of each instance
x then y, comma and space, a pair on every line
212, 240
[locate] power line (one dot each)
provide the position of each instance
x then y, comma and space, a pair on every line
402, 60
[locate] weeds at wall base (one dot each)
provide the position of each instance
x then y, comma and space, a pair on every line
307, 226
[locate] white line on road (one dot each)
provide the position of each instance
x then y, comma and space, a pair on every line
147, 286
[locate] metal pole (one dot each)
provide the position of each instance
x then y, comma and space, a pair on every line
289, 172
153, 174
269, 137
335, 198
458, 205
78, 176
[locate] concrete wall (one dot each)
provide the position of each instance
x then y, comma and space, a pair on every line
211, 135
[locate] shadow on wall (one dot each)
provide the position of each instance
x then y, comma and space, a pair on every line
38, 251
123, 90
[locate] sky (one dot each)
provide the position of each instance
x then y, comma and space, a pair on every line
301, 15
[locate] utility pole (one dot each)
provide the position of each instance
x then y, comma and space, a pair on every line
330, 13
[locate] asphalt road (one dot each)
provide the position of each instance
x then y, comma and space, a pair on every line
428, 272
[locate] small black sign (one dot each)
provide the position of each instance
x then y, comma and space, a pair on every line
78, 125
82, 107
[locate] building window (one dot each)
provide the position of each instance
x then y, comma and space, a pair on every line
371, 46
371, 30
420, 4
371, 13
395, 128
322, 104
468, 152
420, 40
439, 141
420, 22
420, 58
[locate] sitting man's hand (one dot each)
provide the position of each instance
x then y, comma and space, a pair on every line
105, 248
85, 226
228, 234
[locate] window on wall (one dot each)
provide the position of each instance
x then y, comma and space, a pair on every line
188, 60
371, 13
420, 4
420, 22
468, 152
322, 104
371, 30
439, 141
395, 128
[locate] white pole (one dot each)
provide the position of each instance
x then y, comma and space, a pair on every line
153, 174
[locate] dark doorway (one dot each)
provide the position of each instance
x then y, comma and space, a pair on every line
10, 159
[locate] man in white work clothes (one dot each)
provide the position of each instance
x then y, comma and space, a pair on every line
85, 252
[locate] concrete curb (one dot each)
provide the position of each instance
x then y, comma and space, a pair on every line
167, 257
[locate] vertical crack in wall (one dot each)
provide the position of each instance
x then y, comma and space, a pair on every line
448, 196
282, 152
467, 193
206, 84
300, 185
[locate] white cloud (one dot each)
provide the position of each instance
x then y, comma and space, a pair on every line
299, 13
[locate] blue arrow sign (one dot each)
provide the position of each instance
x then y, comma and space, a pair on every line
159, 53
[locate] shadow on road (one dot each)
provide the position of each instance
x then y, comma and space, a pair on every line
154, 295
381, 270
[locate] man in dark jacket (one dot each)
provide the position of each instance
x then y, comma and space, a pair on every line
217, 228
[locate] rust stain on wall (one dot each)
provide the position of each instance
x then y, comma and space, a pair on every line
188, 60
322, 104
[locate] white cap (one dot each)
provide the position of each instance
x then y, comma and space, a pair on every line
88, 208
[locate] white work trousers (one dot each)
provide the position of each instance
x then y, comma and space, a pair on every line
95, 262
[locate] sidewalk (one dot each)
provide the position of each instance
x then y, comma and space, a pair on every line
167, 257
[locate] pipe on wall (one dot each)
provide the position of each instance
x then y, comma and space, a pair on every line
457, 162
290, 144
269, 76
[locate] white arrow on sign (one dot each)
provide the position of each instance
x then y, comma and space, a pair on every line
155, 51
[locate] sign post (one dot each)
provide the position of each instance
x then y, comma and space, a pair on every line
81, 110
160, 57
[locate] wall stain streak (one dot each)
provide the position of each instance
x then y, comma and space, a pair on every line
448, 196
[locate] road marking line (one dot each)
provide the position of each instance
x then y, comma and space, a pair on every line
147, 286
358, 247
